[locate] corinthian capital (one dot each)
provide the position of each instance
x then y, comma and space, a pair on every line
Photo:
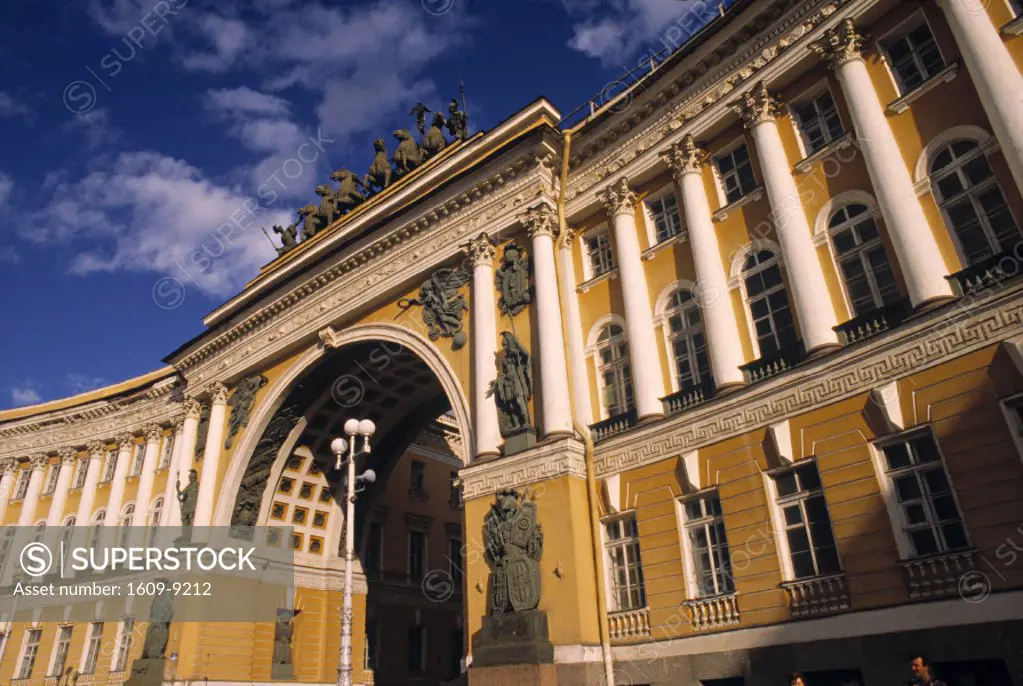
541, 220
96, 449
685, 157
481, 250
618, 198
38, 462
218, 392
125, 441
7, 466
841, 44
67, 455
756, 106
153, 433
192, 408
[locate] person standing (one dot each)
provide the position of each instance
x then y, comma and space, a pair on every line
922, 674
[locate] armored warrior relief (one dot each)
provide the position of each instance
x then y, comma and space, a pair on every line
512, 280
513, 545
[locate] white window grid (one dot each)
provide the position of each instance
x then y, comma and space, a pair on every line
96, 528
29, 651
920, 496
705, 546
862, 260
53, 471
138, 454
734, 170
686, 341
90, 656
81, 471
771, 321
5, 548
124, 636
599, 255
804, 522
21, 485
962, 179
416, 553
818, 121
60, 650
912, 54
166, 451
665, 217
614, 371
109, 466
625, 568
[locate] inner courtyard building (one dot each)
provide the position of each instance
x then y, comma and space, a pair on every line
746, 341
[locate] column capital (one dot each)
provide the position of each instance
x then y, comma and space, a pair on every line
540, 220
481, 250
38, 462
96, 449
685, 157
176, 425
153, 433
124, 441
7, 466
67, 455
618, 198
840, 44
756, 106
568, 237
218, 392
192, 408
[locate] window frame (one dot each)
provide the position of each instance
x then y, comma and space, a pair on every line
902, 30
743, 257
424, 555
610, 566
24, 659
166, 452
92, 648
123, 642
1014, 419
21, 484
665, 310
720, 182
55, 653
422, 657
692, 576
777, 504
872, 213
594, 352
650, 216
590, 273
811, 96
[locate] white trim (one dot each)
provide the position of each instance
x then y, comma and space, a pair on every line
719, 183
822, 233
735, 281
904, 27
56, 644
648, 215
588, 276
91, 627
781, 544
922, 169
944, 76
594, 358
906, 618
685, 549
812, 92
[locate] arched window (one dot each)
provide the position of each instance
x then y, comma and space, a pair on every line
685, 340
96, 526
971, 201
768, 303
155, 513
613, 370
40, 530
125, 522
868, 276
65, 535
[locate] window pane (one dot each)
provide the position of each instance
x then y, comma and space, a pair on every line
897, 455
923, 542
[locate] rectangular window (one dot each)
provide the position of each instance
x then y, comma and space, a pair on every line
416, 649
626, 569
599, 255
124, 645
416, 553
61, 650
417, 481
807, 525
818, 121
736, 173
28, 655
81, 470
455, 562
138, 454
167, 452
21, 486
913, 56
931, 520
455, 492
51, 479
374, 547
666, 218
92, 648
111, 465
708, 547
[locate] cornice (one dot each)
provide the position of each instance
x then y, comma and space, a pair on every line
947, 333
546, 461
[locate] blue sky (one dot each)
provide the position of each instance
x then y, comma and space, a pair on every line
130, 130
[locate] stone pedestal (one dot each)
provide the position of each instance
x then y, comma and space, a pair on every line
146, 672
514, 638
514, 675
520, 440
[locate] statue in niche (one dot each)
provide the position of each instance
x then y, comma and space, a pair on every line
241, 405
188, 498
284, 631
408, 154
158, 631
348, 195
289, 237
443, 306
379, 175
434, 141
513, 545
458, 121
512, 280
202, 431
513, 387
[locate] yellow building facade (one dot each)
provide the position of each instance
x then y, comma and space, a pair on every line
775, 337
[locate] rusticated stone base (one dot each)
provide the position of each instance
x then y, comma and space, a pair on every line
514, 675
146, 672
514, 638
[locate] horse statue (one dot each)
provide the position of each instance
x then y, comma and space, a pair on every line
347, 196
379, 176
408, 155
328, 209
311, 220
434, 141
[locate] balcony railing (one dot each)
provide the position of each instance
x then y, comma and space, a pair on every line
690, 396
936, 576
990, 272
713, 612
629, 624
772, 365
612, 426
872, 323
820, 595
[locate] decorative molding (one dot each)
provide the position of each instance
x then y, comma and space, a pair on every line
8, 465
193, 408
779, 435
548, 460
613, 493
685, 157
753, 196
218, 393
618, 198
153, 432
841, 143
1014, 27
541, 220
67, 455
940, 336
96, 449
884, 407
125, 441
567, 241
38, 462
481, 251
944, 76
757, 106
690, 464
841, 44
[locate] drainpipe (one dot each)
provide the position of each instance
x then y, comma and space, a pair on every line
584, 433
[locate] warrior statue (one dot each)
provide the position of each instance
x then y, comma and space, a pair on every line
188, 497
284, 630
347, 196
513, 545
408, 155
379, 176
158, 631
434, 141
458, 122
420, 111
289, 237
512, 280
328, 209
513, 386
443, 306
241, 405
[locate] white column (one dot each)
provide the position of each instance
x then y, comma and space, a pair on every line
484, 345
170, 497
87, 500
645, 362
808, 289
181, 461
68, 459
146, 477
211, 458
911, 234
37, 467
995, 74
116, 499
723, 343
8, 467
574, 331
541, 224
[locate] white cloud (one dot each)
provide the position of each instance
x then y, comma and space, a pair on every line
227, 38
81, 383
6, 187
11, 106
92, 128
25, 394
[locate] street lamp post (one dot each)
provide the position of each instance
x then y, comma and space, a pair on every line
339, 446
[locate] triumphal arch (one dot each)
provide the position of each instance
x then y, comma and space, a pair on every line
714, 381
